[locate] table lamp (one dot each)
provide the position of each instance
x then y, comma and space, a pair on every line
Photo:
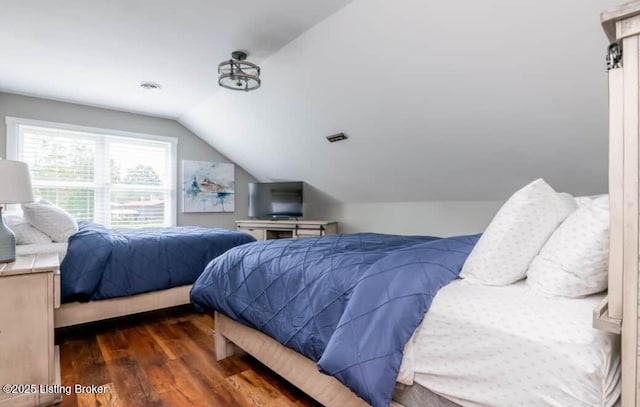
15, 188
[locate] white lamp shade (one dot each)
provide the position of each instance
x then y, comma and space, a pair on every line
15, 182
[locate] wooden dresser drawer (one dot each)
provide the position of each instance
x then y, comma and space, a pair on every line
286, 229
309, 232
257, 233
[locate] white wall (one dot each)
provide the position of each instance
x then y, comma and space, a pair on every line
413, 218
190, 147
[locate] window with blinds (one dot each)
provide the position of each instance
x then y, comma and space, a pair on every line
114, 180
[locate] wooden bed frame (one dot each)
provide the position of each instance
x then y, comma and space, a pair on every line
75, 313
294, 367
619, 312
232, 337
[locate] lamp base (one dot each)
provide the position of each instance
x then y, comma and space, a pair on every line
7, 243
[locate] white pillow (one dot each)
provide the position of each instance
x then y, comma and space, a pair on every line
50, 219
586, 200
574, 262
583, 200
25, 233
516, 234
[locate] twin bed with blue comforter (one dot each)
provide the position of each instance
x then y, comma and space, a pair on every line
349, 303
104, 263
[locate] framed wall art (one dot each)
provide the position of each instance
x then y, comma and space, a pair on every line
208, 186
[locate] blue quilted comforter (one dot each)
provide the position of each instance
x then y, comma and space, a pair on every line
348, 302
104, 263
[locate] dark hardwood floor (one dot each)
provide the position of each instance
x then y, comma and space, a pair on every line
164, 358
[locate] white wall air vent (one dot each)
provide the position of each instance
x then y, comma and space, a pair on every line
147, 85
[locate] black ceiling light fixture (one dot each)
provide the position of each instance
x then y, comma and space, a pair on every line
239, 74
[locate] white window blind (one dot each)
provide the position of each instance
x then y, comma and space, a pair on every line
112, 179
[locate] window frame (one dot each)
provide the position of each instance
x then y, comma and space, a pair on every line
13, 150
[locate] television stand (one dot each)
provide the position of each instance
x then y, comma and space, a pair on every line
286, 229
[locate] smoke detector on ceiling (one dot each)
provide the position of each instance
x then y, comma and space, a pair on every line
148, 85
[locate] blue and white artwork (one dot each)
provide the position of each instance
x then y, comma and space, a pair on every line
208, 187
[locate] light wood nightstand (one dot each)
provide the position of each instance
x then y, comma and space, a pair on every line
28, 356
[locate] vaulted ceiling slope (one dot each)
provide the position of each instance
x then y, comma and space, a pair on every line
441, 100
97, 52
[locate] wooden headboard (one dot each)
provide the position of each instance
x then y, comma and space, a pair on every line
619, 312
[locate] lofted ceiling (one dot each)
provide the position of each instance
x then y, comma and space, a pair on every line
97, 52
441, 100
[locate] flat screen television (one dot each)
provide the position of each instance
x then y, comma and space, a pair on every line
275, 200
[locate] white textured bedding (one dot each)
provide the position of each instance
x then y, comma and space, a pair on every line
507, 346
53, 247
